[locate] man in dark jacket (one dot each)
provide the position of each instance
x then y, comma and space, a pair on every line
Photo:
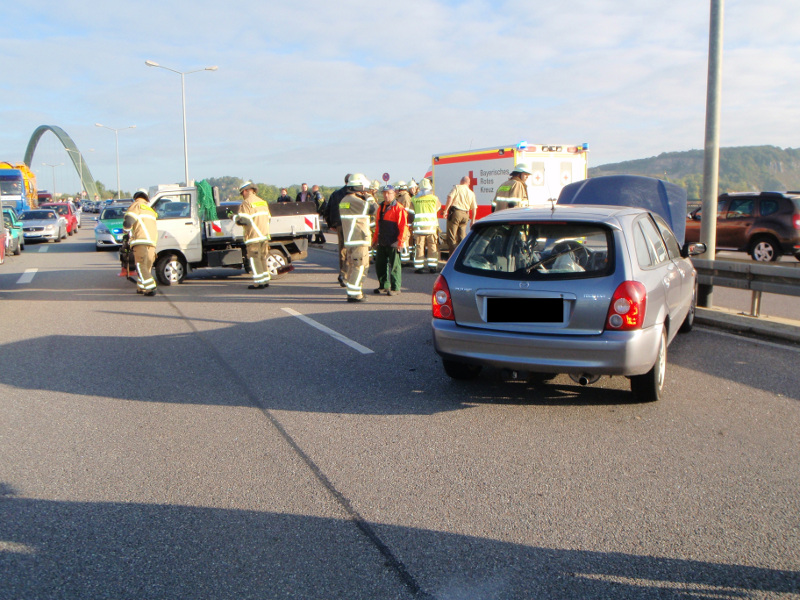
334, 221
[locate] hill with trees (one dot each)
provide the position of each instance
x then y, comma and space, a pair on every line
741, 169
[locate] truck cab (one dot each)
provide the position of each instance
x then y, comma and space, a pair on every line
187, 241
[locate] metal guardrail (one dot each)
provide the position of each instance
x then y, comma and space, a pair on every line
759, 277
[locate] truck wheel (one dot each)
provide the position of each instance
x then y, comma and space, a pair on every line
170, 269
275, 260
648, 387
764, 248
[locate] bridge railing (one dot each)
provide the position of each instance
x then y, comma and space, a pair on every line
759, 277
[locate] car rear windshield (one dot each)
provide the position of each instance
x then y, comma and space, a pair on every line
538, 250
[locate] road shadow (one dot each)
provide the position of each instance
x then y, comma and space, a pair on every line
57, 549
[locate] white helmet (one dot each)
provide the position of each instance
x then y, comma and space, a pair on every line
522, 168
425, 186
359, 180
246, 185
401, 185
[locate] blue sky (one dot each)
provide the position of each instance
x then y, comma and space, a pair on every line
308, 91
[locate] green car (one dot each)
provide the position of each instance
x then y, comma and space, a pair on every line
14, 227
108, 232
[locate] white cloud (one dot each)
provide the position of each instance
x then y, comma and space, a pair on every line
308, 91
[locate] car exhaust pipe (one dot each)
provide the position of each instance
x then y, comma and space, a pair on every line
584, 378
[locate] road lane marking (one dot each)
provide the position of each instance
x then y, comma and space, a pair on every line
44, 248
27, 276
334, 334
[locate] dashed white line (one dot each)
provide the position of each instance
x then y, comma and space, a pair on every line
27, 276
334, 334
44, 248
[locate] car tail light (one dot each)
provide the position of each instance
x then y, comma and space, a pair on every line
440, 302
627, 307
796, 221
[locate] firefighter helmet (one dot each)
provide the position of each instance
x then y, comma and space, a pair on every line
401, 185
248, 185
141, 193
359, 180
523, 168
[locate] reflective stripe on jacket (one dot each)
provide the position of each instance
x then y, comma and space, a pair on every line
425, 219
512, 194
355, 210
254, 217
140, 223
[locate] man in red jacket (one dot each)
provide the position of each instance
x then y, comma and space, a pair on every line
390, 232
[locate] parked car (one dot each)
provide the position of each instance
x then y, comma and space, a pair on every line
108, 231
65, 210
43, 224
16, 241
583, 287
766, 225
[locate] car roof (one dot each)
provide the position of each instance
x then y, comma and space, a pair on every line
561, 212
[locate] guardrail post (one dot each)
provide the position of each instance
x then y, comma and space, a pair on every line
755, 304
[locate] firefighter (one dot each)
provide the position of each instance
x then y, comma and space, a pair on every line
404, 200
426, 228
413, 188
140, 225
254, 217
355, 210
514, 192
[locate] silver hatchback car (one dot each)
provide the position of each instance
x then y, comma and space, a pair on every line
588, 288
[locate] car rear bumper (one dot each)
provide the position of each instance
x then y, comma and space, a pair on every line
610, 353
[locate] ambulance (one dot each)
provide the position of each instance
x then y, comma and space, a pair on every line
553, 166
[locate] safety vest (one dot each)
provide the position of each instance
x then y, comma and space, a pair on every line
425, 219
355, 212
140, 223
254, 217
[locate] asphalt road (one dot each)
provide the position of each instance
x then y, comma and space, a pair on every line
217, 442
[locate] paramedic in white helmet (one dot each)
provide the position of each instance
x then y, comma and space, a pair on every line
514, 192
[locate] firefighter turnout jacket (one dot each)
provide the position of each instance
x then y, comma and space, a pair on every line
355, 211
512, 194
254, 217
140, 224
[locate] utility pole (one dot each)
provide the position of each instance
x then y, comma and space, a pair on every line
708, 224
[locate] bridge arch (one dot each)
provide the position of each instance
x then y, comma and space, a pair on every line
77, 158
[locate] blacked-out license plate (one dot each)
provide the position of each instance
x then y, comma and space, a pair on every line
524, 310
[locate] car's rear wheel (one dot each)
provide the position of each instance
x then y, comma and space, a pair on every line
170, 269
457, 370
764, 248
18, 249
648, 387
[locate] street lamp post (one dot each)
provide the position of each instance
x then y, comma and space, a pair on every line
151, 63
54, 176
116, 137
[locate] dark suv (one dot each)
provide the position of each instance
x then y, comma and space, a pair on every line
765, 225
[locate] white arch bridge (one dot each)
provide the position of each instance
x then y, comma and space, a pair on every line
77, 158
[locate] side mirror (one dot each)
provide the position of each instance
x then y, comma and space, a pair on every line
693, 249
